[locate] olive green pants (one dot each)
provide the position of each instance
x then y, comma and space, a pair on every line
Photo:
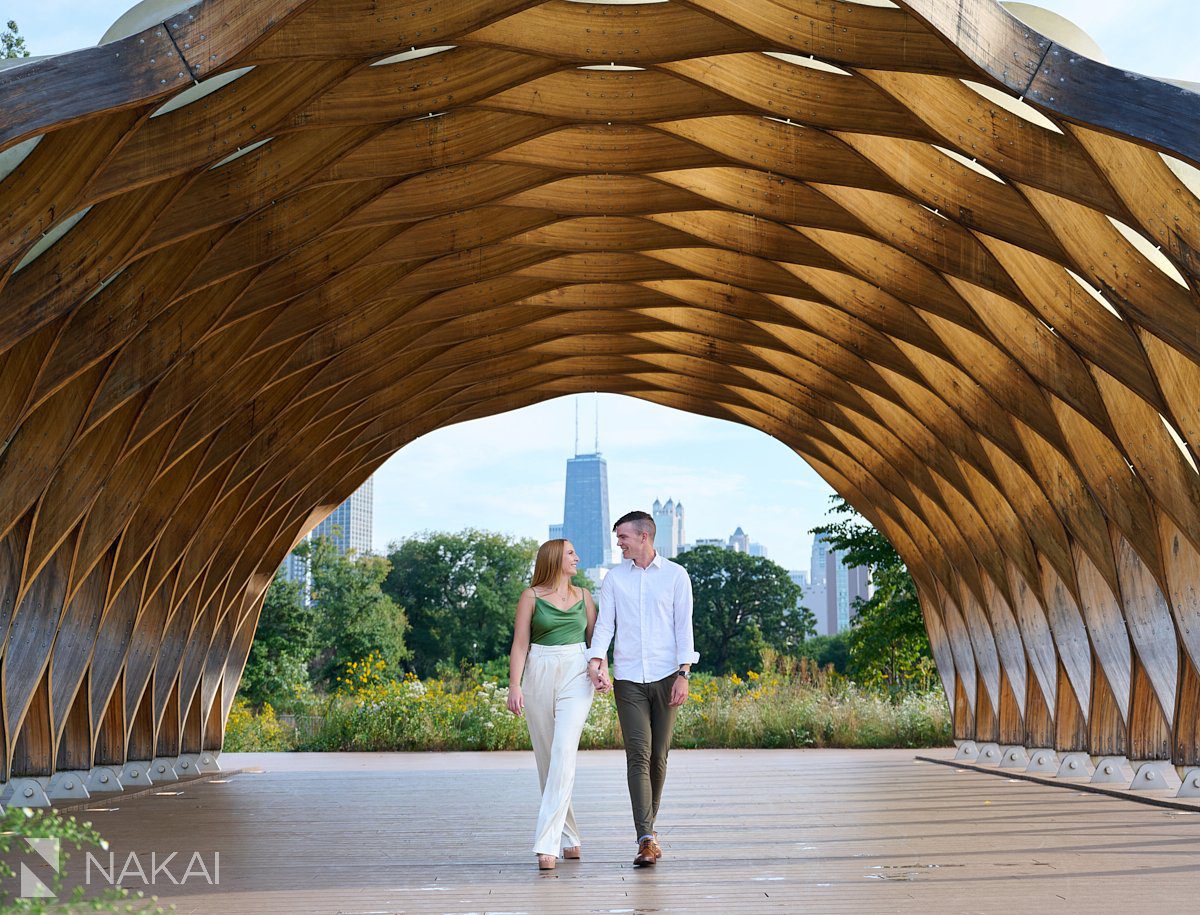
647, 720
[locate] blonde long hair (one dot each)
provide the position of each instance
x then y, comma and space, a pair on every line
548, 565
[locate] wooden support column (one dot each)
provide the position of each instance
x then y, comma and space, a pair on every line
214, 731
1070, 724
987, 727
111, 736
964, 717
168, 737
1185, 750
1149, 729
33, 751
75, 740
192, 739
141, 728
1010, 723
1039, 723
1107, 733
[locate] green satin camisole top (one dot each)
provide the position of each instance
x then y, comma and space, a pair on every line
551, 626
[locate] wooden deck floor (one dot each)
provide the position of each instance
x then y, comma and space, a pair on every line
743, 831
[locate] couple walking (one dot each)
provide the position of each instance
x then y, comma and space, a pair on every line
559, 660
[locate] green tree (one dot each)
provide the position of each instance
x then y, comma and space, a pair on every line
580, 580
283, 645
828, 649
888, 644
12, 44
743, 604
354, 616
460, 592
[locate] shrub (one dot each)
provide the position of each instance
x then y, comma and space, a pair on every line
791, 702
247, 732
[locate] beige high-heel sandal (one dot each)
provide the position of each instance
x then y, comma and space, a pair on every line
546, 862
573, 853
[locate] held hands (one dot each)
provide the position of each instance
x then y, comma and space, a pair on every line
599, 677
679, 691
516, 701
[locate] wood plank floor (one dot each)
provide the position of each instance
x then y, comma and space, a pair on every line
743, 831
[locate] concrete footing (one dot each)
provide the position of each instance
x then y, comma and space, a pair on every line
989, 755
162, 769
1042, 761
1014, 757
136, 773
1112, 770
70, 785
967, 751
1075, 765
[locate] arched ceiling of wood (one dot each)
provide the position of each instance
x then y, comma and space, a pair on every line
835, 222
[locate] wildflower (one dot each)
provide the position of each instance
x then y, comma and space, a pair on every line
751, 675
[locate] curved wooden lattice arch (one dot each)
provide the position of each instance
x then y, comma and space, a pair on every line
251, 248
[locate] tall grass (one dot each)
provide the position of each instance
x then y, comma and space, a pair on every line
788, 703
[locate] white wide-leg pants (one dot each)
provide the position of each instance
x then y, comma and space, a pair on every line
558, 695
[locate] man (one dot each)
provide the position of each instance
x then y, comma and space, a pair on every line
647, 601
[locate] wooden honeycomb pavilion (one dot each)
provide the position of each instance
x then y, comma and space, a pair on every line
250, 248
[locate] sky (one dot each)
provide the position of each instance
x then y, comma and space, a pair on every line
506, 473
1155, 37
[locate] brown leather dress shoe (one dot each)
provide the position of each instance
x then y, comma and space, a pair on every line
648, 853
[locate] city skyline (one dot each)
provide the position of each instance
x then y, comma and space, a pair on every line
505, 473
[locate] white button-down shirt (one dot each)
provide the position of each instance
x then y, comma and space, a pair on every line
650, 611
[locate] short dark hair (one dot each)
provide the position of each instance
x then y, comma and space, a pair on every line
640, 520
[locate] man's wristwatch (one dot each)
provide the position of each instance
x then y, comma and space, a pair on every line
684, 673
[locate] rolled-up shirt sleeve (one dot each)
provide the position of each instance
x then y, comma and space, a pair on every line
685, 647
602, 634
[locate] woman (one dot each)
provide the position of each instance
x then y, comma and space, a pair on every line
553, 627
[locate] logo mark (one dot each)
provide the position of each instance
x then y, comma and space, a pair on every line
49, 850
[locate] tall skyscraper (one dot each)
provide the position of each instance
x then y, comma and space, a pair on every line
834, 587
585, 505
585, 510
668, 522
349, 527
800, 577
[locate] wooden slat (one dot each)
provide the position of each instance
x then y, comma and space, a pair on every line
944, 841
